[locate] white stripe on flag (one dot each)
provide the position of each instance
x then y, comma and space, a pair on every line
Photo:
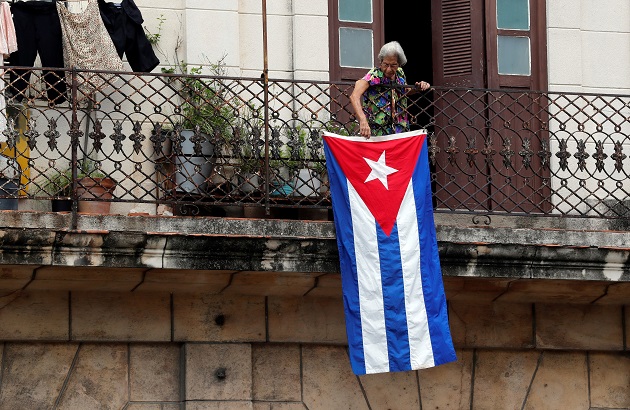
370, 286
421, 350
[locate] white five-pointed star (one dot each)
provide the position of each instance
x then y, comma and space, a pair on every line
380, 171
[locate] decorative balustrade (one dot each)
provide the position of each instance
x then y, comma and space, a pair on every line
202, 141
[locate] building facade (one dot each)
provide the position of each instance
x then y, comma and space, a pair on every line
140, 310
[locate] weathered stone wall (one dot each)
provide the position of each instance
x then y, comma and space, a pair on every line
213, 313
162, 351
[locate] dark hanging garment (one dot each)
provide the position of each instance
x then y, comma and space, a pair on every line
38, 30
124, 25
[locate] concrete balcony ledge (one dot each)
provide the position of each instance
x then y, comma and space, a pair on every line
295, 257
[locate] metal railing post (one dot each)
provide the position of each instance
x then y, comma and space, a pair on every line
266, 102
74, 141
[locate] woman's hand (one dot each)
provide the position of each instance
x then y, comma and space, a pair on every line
423, 85
364, 128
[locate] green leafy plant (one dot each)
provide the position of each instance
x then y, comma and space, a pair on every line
250, 162
154, 38
339, 128
206, 104
59, 182
296, 150
89, 168
248, 138
205, 98
305, 147
336, 127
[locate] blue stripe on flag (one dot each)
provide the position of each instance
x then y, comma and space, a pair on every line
347, 258
394, 300
433, 288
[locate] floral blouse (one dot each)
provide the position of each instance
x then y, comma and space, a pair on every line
377, 103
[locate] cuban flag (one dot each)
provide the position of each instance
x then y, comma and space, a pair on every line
395, 307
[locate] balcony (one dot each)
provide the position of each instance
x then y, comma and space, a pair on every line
226, 174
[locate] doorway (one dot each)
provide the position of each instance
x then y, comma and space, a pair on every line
410, 25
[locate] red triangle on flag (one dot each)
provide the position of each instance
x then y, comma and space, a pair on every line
379, 169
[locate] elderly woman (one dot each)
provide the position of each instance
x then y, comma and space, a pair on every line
383, 110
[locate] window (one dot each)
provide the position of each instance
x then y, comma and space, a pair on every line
513, 55
355, 47
513, 14
490, 43
513, 42
516, 45
356, 35
359, 11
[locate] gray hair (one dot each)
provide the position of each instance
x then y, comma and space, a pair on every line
393, 48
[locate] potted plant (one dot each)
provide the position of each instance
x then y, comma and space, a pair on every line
92, 183
249, 173
58, 185
94, 188
203, 123
249, 143
281, 166
206, 127
205, 102
193, 156
305, 164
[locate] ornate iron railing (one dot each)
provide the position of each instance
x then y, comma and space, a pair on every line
195, 142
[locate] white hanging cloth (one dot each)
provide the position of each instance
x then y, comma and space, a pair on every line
8, 44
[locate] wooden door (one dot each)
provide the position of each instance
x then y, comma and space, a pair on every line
459, 132
488, 142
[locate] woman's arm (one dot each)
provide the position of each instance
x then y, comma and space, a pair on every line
360, 87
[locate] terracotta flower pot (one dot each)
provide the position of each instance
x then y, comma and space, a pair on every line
100, 189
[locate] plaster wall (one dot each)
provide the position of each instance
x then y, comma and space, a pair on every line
588, 42
202, 32
235, 314
589, 46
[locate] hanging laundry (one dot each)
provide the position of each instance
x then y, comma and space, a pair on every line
88, 46
8, 39
124, 24
8, 45
38, 31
